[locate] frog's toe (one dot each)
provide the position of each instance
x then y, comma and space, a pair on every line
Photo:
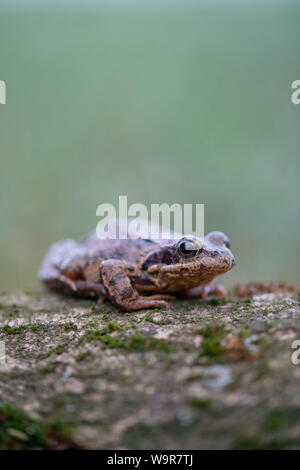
164, 304
142, 303
162, 297
220, 290
71, 284
101, 299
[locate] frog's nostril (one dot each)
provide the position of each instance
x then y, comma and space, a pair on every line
214, 254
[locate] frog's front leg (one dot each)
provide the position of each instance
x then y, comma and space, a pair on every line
203, 291
119, 290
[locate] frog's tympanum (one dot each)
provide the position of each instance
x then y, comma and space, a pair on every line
137, 273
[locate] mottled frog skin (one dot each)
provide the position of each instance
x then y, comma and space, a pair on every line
137, 273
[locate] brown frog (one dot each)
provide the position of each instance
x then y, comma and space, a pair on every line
137, 273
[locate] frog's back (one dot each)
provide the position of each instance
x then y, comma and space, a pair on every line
129, 250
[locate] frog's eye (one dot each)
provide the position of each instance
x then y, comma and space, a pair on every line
187, 248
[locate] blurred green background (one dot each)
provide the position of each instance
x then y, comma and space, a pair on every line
186, 102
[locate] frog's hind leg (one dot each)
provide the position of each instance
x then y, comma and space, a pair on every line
51, 273
119, 290
90, 289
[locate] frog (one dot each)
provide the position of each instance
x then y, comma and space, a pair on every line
136, 273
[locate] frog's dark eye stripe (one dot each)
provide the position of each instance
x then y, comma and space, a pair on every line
187, 248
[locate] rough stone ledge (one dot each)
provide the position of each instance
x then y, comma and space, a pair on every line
204, 374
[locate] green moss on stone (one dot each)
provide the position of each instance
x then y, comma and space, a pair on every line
213, 336
14, 330
68, 326
137, 342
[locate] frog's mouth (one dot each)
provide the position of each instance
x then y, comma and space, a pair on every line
205, 267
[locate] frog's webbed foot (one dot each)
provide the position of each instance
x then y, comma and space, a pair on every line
119, 290
60, 283
161, 297
213, 288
